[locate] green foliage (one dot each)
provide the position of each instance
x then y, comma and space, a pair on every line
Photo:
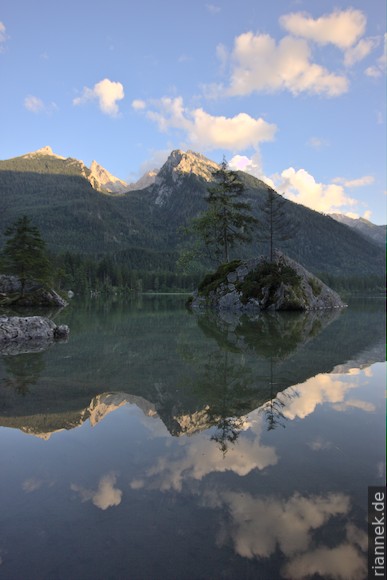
24, 254
268, 275
212, 281
316, 287
276, 227
228, 221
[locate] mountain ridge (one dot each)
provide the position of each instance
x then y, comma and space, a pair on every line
76, 214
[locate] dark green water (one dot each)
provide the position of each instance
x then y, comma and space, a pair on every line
156, 444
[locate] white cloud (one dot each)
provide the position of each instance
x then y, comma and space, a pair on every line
259, 64
342, 27
252, 165
204, 131
301, 187
105, 496
107, 93
380, 67
324, 389
138, 104
359, 51
3, 36
359, 182
195, 458
260, 524
341, 562
36, 105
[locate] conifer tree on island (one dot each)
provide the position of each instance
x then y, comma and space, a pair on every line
275, 224
24, 254
228, 220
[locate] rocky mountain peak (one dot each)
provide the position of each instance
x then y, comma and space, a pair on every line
178, 165
43, 151
107, 181
190, 162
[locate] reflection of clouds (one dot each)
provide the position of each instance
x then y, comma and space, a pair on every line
343, 562
196, 458
258, 526
357, 404
106, 495
323, 389
33, 484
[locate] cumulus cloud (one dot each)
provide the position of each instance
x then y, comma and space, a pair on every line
204, 131
342, 27
301, 187
106, 92
36, 105
195, 458
343, 561
260, 524
105, 496
323, 389
259, 64
252, 165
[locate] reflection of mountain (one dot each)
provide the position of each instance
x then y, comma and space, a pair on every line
159, 354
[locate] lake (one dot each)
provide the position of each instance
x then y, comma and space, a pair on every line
160, 444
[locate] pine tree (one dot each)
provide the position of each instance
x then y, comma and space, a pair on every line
228, 220
24, 254
275, 225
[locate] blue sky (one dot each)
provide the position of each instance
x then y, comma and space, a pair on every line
291, 91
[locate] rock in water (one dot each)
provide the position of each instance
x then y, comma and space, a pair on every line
34, 293
255, 285
32, 333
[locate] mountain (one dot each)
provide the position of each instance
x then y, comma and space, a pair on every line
106, 180
145, 181
74, 212
364, 227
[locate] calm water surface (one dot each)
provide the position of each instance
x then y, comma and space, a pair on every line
157, 444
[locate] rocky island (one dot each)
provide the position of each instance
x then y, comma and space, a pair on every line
258, 284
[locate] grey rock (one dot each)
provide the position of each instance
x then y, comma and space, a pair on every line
29, 333
309, 294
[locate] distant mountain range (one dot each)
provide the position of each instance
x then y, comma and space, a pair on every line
364, 227
89, 211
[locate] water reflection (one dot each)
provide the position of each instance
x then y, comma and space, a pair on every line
177, 451
193, 372
105, 496
22, 371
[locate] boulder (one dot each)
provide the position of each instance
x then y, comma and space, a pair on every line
29, 334
34, 293
256, 285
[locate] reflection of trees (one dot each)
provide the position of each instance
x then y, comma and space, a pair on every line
273, 408
225, 385
243, 372
23, 370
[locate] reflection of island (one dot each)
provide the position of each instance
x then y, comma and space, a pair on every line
22, 371
195, 373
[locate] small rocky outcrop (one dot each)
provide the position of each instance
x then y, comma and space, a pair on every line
256, 285
29, 334
34, 294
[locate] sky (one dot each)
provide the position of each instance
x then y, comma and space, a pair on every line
292, 91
